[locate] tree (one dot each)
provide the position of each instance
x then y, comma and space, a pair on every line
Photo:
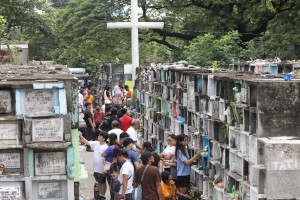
203, 50
185, 20
29, 21
84, 38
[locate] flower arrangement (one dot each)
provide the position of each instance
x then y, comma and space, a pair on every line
1, 168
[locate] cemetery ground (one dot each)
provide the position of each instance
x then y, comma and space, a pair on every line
86, 188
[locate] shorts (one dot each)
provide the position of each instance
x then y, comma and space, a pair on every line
176, 182
168, 169
183, 181
100, 178
127, 196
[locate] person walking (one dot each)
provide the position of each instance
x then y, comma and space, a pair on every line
149, 178
99, 147
184, 163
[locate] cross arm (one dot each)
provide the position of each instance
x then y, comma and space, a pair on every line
141, 25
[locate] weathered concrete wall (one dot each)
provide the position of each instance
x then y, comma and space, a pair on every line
282, 162
278, 106
37, 115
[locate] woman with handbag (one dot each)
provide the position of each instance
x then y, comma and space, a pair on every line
108, 155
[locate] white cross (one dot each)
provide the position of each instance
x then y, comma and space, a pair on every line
135, 25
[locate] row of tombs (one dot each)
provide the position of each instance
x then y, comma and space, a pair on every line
248, 124
38, 119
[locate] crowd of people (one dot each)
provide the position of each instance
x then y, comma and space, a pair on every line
133, 171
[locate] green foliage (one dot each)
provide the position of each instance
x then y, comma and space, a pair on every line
74, 32
29, 21
2, 25
208, 49
85, 40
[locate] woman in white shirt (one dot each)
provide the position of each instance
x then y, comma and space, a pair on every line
168, 154
107, 99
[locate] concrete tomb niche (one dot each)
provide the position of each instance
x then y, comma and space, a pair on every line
5, 101
10, 133
49, 190
50, 163
39, 102
11, 190
44, 130
11, 160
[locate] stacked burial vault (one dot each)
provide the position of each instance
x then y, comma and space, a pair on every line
38, 113
247, 118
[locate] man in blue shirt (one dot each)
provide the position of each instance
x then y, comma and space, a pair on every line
132, 155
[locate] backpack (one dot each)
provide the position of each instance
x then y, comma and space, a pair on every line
115, 184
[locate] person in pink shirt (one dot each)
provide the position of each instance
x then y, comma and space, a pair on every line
118, 97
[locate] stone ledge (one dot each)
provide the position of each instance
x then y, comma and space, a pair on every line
49, 145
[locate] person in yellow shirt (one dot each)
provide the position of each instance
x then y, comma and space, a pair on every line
128, 96
168, 188
89, 97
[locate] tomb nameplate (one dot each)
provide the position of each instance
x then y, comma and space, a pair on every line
10, 192
47, 130
50, 190
9, 131
50, 163
39, 102
10, 160
5, 101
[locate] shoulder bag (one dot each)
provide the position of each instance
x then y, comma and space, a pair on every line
139, 188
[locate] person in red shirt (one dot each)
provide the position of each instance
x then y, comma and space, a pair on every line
98, 116
125, 120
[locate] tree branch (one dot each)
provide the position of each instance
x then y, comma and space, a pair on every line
249, 34
164, 42
175, 35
